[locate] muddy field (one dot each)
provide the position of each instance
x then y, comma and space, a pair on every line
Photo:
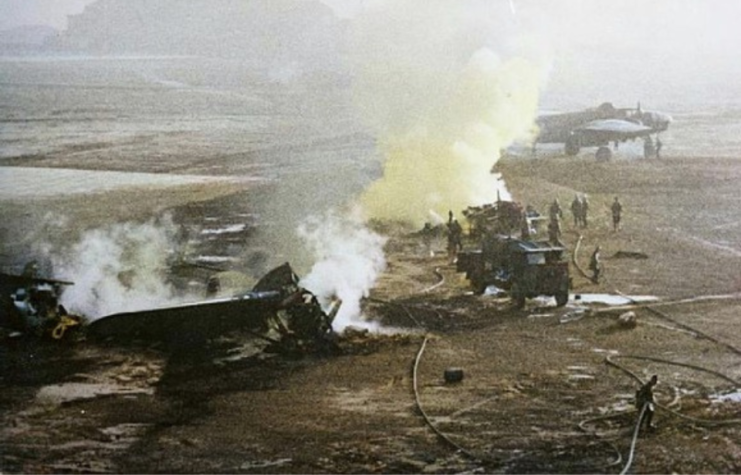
538, 394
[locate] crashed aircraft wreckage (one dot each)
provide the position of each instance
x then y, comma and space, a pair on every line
30, 306
276, 310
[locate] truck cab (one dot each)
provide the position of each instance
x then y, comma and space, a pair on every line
525, 268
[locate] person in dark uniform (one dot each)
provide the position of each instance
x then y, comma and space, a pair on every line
595, 265
658, 147
584, 211
427, 234
576, 210
455, 237
555, 210
645, 397
617, 210
554, 230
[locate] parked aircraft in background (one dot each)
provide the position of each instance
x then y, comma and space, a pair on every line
599, 126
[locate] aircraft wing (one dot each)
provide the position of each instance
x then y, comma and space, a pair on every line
607, 130
616, 126
191, 322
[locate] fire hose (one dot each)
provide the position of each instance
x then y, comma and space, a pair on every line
609, 361
441, 435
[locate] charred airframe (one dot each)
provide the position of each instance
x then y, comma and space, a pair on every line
30, 305
599, 126
276, 310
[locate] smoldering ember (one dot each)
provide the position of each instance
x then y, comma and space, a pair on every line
304, 236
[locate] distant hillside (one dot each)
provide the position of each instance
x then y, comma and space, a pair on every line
263, 31
25, 39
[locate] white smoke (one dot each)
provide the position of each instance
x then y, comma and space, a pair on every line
119, 268
348, 260
446, 85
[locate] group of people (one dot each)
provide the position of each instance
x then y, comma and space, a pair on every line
651, 149
644, 400
580, 211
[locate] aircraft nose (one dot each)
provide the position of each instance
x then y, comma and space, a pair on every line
664, 118
657, 120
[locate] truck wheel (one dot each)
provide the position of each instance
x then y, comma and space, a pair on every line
517, 296
562, 299
603, 154
479, 286
571, 147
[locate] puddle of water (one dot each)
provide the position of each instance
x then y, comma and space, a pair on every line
728, 397
580, 377
611, 299
601, 350
20, 182
231, 229
494, 291
540, 315
57, 394
265, 464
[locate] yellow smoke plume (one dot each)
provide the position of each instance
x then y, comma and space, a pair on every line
442, 113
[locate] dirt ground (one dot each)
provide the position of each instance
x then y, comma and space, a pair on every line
538, 395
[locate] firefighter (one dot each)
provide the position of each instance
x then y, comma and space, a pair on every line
427, 232
555, 210
554, 230
595, 265
455, 237
576, 210
645, 397
617, 210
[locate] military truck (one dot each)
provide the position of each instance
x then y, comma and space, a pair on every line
523, 267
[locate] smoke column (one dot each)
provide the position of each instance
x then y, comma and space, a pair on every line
119, 268
441, 84
349, 258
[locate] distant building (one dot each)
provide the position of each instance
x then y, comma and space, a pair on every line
264, 32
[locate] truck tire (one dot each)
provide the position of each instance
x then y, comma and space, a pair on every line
562, 298
603, 154
479, 286
572, 147
518, 297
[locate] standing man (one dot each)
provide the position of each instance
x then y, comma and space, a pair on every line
576, 210
617, 210
645, 397
455, 235
555, 210
584, 210
554, 230
595, 265
427, 232
648, 147
658, 147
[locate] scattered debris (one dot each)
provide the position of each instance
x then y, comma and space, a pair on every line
29, 306
629, 255
628, 320
453, 375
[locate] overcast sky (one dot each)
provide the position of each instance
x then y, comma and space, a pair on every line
54, 12
666, 34
671, 24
